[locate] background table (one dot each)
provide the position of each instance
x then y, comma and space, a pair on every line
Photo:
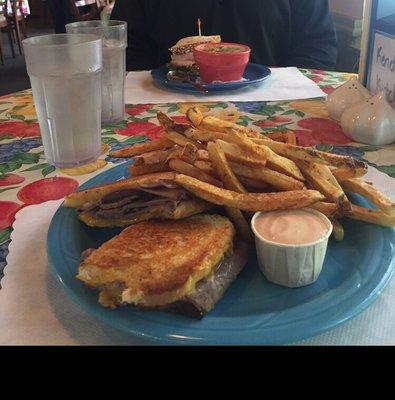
26, 178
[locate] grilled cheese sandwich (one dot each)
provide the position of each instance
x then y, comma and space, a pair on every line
182, 266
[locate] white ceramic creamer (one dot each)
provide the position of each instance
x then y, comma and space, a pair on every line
352, 92
371, 121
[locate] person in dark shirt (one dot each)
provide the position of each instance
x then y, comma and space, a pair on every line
65, 11
61, 14
280, 32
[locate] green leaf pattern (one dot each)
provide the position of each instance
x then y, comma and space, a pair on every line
5, 235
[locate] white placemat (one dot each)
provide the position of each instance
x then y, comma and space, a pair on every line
284, 84
35, 309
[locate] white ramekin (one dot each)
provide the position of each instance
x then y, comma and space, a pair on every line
291, 265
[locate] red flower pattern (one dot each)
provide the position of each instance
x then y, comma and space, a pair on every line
8, 209
273, 122
139, 109
149, 129
11, 179
19, 129
317, 79
180, 119
318, 72
281, 120
327, 89
47, 189
320, 130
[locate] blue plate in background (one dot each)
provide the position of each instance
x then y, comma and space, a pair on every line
254, 73
253, 311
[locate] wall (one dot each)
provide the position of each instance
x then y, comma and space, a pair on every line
352, 9
386, 7
347, 15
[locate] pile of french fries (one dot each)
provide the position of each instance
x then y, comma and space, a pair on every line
244, 171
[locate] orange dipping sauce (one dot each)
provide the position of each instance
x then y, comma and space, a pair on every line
291, 227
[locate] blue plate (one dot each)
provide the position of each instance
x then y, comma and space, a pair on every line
254, 73
253, 311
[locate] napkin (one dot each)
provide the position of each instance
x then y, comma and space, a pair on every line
36, 310
34, 307
284, 84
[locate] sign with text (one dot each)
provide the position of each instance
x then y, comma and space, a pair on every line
382, 67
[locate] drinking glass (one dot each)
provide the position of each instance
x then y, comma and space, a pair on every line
65, 74
114, 35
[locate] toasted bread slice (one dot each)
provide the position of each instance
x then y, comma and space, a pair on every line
158, 263
93, 195
134, 200
187, 44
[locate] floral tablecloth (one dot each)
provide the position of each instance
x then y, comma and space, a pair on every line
26, 178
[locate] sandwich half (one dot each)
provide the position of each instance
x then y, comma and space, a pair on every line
133, 200
181, 266
182, 52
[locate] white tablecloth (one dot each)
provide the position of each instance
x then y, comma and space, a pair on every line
35, 309
284, 84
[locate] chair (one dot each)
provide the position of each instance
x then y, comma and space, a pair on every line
5, 27
17, 21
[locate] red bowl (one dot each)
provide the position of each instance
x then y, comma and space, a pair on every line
224, 66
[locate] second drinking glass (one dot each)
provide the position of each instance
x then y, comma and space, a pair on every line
114, 35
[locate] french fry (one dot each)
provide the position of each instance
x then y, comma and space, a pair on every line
171, 125
181, 140
195, 116
251, 201
331, 210
246, 144
188, 153
289, 150
204, 135
240, 223
212, 148
291, 138
236, 154
274, 161
342, 174
253, 185
138, 170
199, 135
284, 166
275, 179
223, 169
371, 216
183, 167
321, 178
137, 149
154, 157
215, 124
310, 155
338, 230
202, 155
384, 203
284, 137
205, 166
230, 182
